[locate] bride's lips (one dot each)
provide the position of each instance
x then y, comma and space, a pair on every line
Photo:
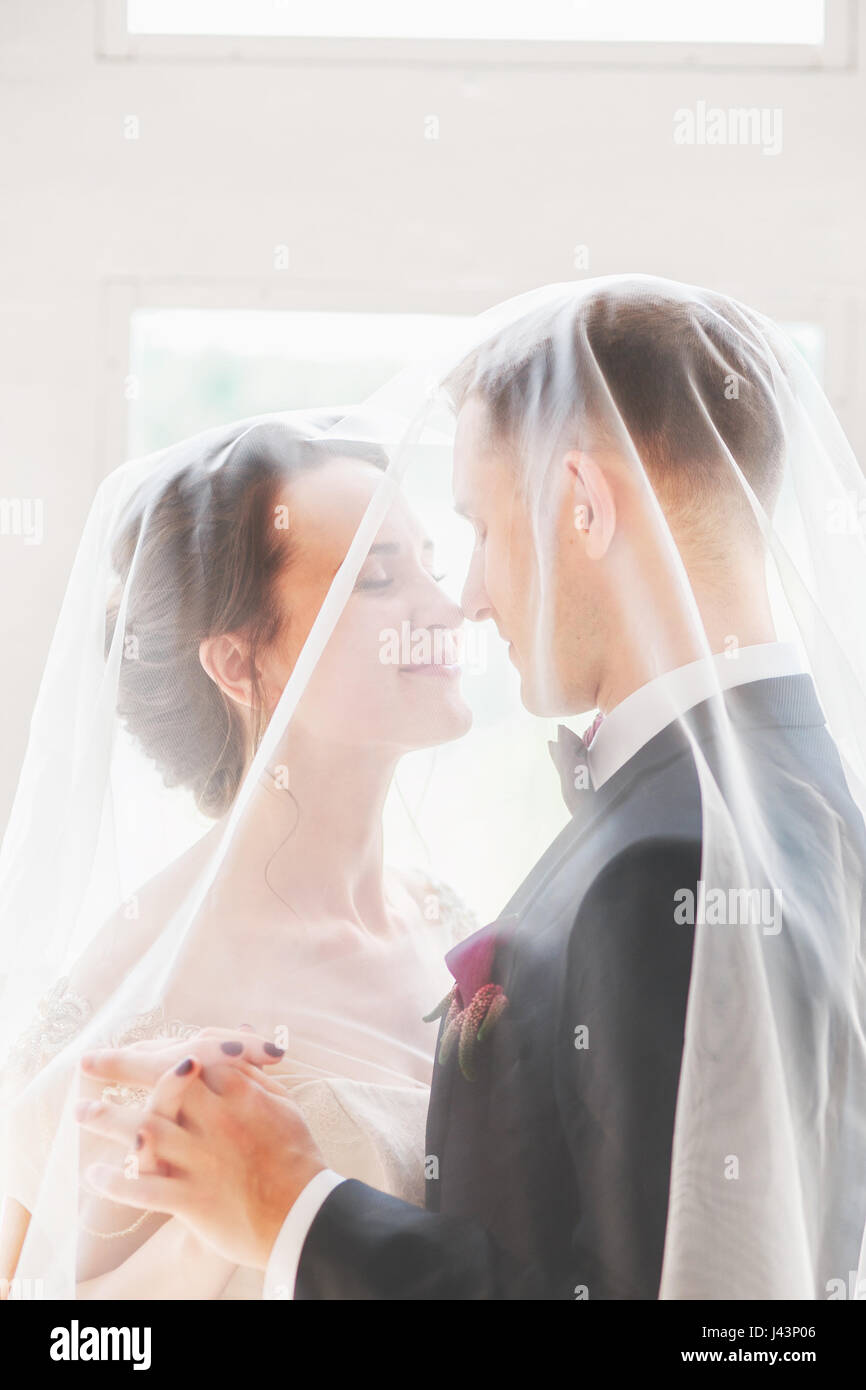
431, 669
444, 650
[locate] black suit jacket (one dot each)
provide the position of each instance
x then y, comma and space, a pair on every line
549, 1172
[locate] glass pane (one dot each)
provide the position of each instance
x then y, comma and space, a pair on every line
190, 368
809, 338
635, 21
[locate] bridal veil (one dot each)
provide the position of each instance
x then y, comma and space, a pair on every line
734, 469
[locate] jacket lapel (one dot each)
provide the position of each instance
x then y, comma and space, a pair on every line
781, 701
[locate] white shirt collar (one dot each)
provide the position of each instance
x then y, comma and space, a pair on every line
649, 709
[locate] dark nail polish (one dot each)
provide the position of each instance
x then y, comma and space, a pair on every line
185, 1067
273, 1051
139, 1139
233, 1049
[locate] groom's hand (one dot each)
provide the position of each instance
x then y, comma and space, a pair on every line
225, 1154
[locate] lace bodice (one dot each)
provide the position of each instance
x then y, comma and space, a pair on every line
60, 1017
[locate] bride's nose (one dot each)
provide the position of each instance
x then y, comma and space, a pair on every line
436, 609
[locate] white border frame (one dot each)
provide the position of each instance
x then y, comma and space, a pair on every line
114, 43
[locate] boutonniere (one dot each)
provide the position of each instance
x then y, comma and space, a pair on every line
474, 1004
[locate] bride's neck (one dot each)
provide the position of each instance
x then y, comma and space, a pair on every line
316, 827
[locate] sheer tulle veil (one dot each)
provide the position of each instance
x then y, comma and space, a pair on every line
732, 463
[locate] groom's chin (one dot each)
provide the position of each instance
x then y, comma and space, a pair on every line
544, 699
538, 701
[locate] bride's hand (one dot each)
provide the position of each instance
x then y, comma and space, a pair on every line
143, 1063
220, 1154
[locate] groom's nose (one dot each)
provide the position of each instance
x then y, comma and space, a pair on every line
474, 600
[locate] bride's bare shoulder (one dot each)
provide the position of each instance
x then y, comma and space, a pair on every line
137, 923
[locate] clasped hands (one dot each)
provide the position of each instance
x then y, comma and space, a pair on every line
218, 1144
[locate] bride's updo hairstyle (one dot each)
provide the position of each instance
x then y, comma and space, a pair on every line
199, 556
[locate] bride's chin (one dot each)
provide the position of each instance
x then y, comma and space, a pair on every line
451, 722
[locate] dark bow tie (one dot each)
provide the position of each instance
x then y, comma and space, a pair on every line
570, 758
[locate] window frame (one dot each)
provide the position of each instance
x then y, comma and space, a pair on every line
114, 43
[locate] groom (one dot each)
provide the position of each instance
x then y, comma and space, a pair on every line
551, 1124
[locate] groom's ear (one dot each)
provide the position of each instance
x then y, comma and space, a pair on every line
226, 660
592, 501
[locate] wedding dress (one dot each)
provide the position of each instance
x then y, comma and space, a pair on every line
367, 1117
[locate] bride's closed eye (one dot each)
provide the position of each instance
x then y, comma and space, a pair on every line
376, 576
365, 582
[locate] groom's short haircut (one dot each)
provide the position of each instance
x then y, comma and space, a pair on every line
687, 380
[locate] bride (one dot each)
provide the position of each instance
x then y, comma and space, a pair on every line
281, 917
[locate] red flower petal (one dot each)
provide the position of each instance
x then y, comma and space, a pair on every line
471, 961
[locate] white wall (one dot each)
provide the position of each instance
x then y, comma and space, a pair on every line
235, 157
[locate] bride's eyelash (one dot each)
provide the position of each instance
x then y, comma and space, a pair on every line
373, 583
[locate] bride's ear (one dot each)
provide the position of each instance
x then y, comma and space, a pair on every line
226, 659
592, 502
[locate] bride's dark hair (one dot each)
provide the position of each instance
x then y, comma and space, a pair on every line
200, 557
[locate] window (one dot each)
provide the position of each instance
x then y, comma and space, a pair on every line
626, 33
594, 21
193, 368
809, 338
